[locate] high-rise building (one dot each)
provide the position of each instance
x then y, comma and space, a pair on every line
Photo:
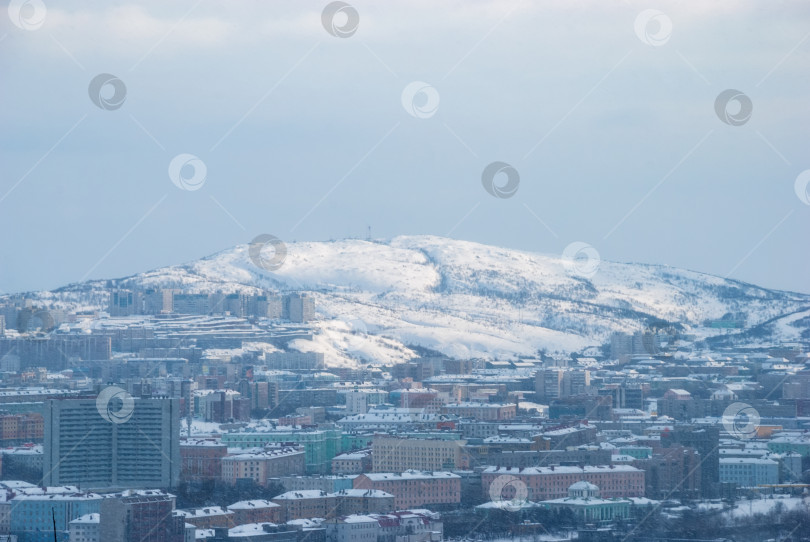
299, 308
121, 443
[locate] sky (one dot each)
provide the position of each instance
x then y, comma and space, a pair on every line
142, 134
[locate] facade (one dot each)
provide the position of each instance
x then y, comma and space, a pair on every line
304, 504
140, 516
83, 448
395, 454
255, 511
262, 465
320, 446
748, 472
414, 489
481, 411
585, 502
355, 462
85, 529
19, 428
546, 483
359, 501
33, 512
406, 525
201, 459
209, 517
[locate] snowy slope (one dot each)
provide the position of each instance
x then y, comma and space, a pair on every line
467, 299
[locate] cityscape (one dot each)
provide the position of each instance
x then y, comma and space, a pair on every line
404, 271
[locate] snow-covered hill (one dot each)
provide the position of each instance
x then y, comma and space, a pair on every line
471, 300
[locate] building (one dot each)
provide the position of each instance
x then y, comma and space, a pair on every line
304, 504
264, 464
397, 454
34, 510
125, 303
328, 484
481, 411
358, 401
208, 517
555, 383
255, 511
87, 445
201, 459
295, 361
85, 529
299, 308
320, 446
748, 472
406, 525
359, 501
414, 489
671, 472
20, 428
140, 516
545, 483
354, 462
585, 502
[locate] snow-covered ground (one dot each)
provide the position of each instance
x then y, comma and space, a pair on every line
468, 300
745, 508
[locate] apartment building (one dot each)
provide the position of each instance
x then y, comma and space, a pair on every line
263, 464
398, 454
545, 483
414, 489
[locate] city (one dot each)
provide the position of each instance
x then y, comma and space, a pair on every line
404, 271
178, 416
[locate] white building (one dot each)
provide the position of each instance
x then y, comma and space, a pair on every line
85, 528
749, 472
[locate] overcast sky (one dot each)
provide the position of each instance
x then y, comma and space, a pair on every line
610, 124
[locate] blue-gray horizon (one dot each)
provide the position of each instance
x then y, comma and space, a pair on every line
142, 135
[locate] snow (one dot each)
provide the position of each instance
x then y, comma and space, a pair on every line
376, 299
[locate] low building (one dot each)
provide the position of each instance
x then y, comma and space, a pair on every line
585, 502
748, 472
85, 528
136, 515
209, 517
398, 454
201, 459
545, 483
302, 504
414, 489
481, 411
355, 462
263, 464
359, 501
255, 511
416, 525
